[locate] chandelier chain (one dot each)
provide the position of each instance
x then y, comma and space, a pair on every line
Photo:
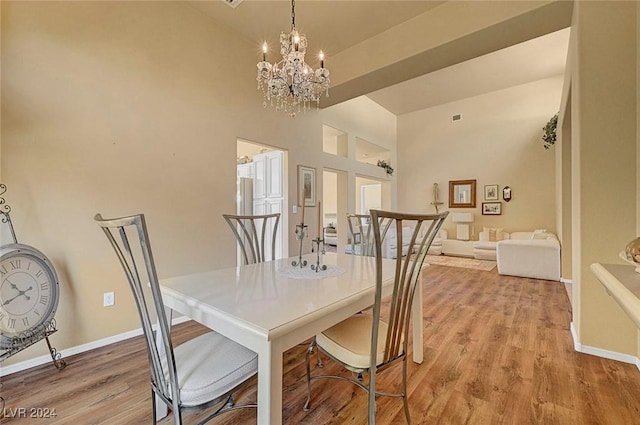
293, 15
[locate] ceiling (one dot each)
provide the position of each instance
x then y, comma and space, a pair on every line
533, 60
331, 26
335, 26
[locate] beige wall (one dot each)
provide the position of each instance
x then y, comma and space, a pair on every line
128, 107
497, 141
604, 164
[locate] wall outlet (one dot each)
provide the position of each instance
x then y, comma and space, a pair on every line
109, 299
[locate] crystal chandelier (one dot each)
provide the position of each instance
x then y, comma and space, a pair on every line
291, 85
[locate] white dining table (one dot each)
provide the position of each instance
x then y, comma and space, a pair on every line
268, 309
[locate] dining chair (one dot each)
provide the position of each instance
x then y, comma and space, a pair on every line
368, 343
199, 373
251, 232
361, 233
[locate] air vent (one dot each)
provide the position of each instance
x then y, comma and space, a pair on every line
456, 117
233, 3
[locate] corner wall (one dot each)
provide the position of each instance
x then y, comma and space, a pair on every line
604, 165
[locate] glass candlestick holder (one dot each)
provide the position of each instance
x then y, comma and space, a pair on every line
301, 232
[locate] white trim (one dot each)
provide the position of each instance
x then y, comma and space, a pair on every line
576, 343
37, 361
599, 352
563, 280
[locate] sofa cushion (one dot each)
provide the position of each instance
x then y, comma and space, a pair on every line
485, 245
494, 234
390, 242
498, 234
521, 235
539, 234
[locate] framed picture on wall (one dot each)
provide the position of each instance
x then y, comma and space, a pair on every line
491, 208
307, 186
491, 192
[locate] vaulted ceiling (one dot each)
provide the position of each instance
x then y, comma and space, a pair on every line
410, 55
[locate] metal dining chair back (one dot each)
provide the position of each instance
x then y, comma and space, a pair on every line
196, 374
370, 342
252, 233
361, 233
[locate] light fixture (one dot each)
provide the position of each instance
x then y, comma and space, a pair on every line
462, 230
291, 85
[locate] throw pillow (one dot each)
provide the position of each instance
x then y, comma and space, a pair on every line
493, 234
539, 234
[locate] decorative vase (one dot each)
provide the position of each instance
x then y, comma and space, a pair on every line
631, 253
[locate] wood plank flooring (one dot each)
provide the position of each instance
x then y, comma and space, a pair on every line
497, 351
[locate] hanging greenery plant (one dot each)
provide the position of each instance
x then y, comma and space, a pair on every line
549, 136
387, 167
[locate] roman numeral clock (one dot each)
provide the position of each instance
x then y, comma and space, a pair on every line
29, 293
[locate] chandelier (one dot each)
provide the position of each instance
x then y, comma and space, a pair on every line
291, 85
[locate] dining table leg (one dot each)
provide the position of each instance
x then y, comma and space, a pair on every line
270, 384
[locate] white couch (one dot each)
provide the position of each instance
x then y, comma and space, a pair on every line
529, 254
390, 242
436, 245
485, 248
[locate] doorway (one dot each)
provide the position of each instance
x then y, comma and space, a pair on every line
261, 188
334, 208
368, 194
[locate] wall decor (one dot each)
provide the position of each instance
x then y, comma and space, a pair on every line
506, 193
462, 193
30, 293
491, 192
307, 186
491, 208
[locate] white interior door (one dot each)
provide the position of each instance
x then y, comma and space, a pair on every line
370, 197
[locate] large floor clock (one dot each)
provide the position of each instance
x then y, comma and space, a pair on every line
29, 293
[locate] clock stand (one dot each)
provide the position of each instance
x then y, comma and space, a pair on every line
35, 334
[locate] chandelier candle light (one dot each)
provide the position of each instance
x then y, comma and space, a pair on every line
291, 85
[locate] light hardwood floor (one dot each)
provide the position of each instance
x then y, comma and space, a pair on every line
497, 351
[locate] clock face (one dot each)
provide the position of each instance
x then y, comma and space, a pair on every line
28, 291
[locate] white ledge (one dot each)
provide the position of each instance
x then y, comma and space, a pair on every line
623, 284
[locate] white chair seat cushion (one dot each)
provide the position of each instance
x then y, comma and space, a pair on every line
350, 341
211, 365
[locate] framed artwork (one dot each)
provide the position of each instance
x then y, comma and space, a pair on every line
307, 185
491, 208
491, 192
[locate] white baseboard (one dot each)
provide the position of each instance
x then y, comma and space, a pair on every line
599, 352
37, 361
563, 280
